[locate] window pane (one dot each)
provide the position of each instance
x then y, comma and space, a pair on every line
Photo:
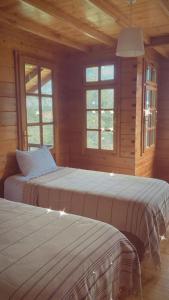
148, 73
148, 99
107, 119
33, 148
32, 108
92, 119
153, 99
154, 75
107, 72
47, 109
107, 98
48, 135
46, 81
153, 136
92, 99
107, 140
153, 118
92, 74
31, 79
92, 139
34, 135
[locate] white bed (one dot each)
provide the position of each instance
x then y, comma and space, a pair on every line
46, 254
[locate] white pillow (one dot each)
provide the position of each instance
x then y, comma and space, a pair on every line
35, 163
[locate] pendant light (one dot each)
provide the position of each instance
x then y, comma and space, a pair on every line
130, 42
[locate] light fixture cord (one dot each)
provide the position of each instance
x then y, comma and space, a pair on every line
130, 12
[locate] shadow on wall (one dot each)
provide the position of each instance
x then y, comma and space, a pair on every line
10, 167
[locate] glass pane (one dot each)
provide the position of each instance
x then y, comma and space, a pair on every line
147, 138
153, 136
153, 99
92, 119
92, 99
107, 140
92, 74
153, 119
107, 72
154, 75
107, 120
33, 148
47, 109
92, 139
148, 99
31, 78
34, 135
148, 73
46, 81
32, 109
48, 135
107, 98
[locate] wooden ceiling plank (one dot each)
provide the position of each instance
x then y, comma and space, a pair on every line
4, 3
39, 30
79, 25
111, 10
164, 4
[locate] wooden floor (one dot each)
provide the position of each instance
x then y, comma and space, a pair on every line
157, 286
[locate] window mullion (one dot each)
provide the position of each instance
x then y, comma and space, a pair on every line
99, 112
40, 105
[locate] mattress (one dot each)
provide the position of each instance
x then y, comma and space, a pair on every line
47, 254
13, 187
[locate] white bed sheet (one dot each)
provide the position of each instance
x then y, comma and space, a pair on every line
13, 187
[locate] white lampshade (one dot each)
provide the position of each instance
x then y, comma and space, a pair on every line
130, 42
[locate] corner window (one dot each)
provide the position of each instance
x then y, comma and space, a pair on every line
150, 106
100, 107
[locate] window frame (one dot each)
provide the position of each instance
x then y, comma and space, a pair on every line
151, 86
20, 60
100, 85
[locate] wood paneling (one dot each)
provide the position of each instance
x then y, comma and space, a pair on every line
10, 40
162, 155
84, 23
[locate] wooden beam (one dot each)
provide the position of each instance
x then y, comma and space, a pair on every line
85, 28
39, 30
164, 4
111, 10
159, 41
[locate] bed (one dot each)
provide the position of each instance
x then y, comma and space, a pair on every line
47, 254
137, 206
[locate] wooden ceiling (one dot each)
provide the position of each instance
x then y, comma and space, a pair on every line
81, 24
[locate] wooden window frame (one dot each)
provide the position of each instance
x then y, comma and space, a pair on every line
20, 60
99, 85
153, 87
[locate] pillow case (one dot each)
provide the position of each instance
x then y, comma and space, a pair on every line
35, 163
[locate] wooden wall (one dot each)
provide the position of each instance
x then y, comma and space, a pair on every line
129, 158
27, 43
162, 154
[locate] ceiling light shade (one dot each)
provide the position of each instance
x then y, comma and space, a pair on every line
130, 42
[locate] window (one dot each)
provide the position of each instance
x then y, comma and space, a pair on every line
39, 106
150, 106
100, 107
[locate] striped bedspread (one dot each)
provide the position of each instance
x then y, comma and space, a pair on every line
137, 205
47, 254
